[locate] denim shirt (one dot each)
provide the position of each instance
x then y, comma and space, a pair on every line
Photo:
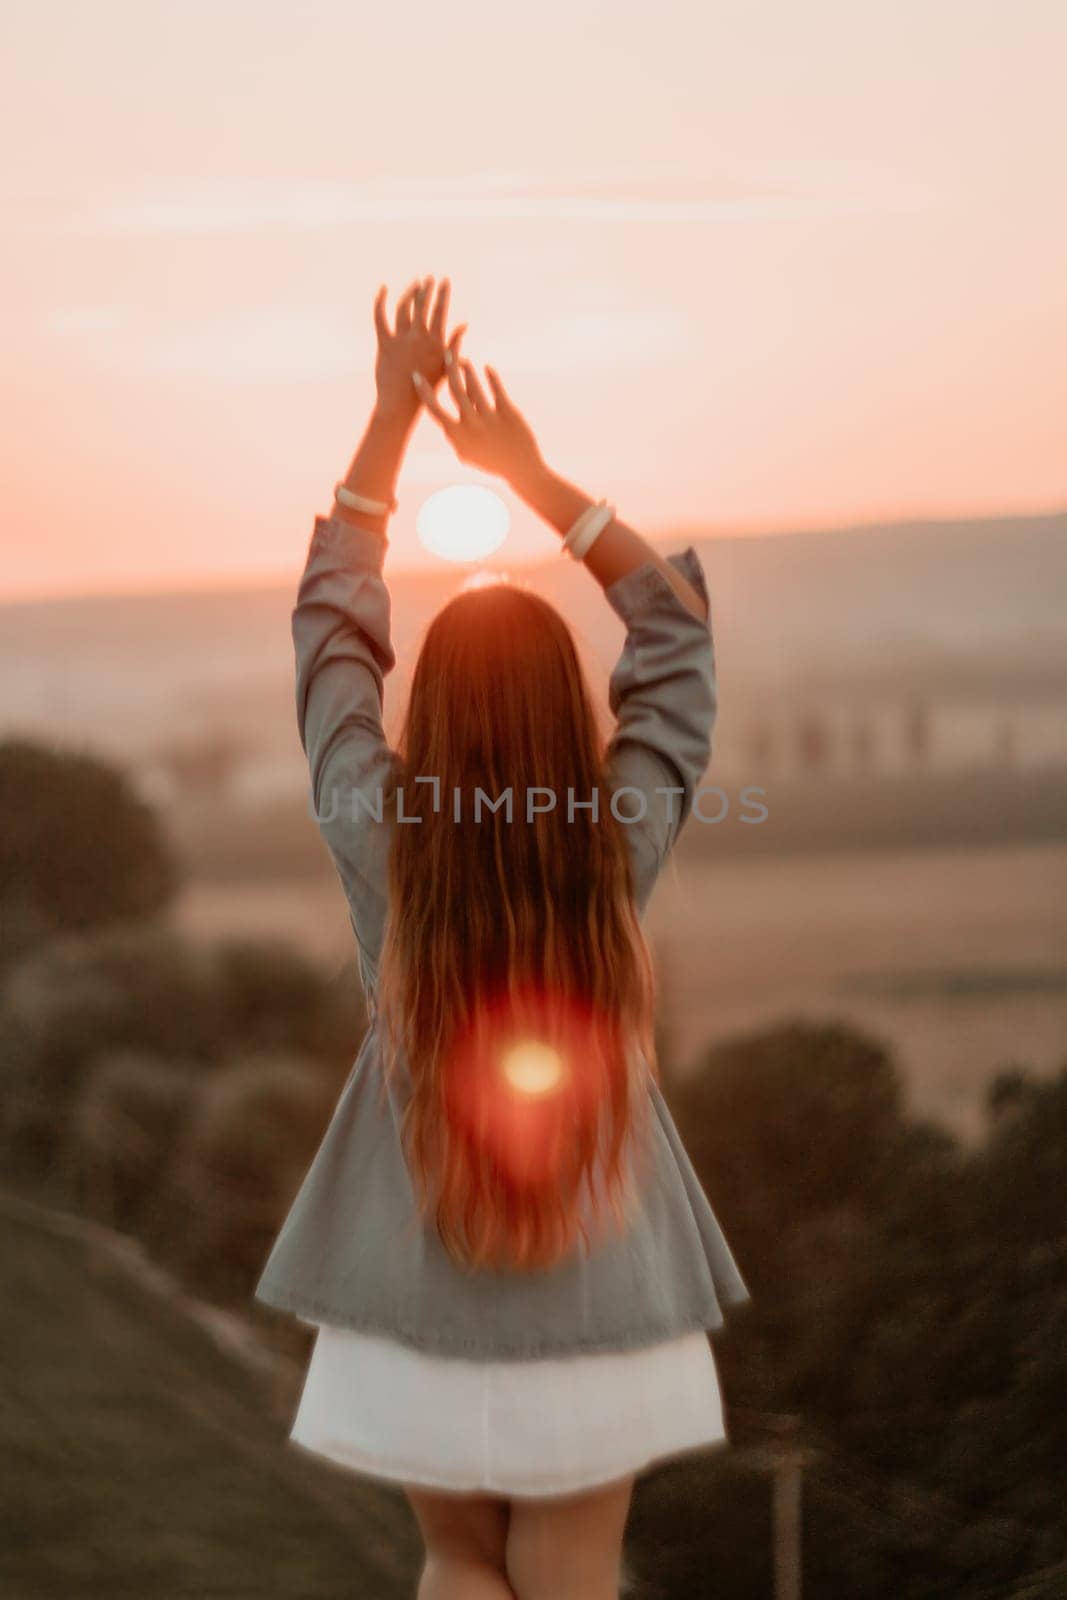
352, 1250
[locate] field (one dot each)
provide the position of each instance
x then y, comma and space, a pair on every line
957, 957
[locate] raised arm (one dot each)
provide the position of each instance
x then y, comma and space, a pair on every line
341, 622
417, 345
497, 437
617, 551
662, 689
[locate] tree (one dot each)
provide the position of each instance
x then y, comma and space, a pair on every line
123, 1132
791, 1124
250, 1136
79, 848
145, 989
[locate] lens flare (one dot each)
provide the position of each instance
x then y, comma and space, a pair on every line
528, 1082
532, 1067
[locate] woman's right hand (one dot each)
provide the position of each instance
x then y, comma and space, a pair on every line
497, 437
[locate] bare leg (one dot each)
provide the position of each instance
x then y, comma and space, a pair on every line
466, 1541
569, 1548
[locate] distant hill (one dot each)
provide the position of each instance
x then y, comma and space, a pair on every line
967, 609
974, 605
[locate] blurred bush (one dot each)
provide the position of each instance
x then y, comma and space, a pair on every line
274, 998
241, 1156
816, 1109
79, 848
122, 1134
145, 990
910, 1310
139, 988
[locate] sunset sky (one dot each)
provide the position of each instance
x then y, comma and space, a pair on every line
744, 266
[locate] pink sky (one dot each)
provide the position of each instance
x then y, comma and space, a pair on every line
744, 266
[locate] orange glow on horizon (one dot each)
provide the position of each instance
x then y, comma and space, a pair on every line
803, 286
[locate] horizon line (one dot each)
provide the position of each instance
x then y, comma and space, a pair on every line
236, 583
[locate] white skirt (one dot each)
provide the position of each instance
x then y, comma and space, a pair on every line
531, 1427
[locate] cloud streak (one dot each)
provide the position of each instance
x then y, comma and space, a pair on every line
295, 343
735, 193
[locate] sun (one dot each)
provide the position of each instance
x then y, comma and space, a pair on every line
464, 522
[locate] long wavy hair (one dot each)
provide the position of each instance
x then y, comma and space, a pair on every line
515, 982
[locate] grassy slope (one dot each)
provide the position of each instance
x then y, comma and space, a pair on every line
141, 1460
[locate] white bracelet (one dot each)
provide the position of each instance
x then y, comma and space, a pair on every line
587, 529
359, 502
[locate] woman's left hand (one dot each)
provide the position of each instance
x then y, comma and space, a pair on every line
417, 344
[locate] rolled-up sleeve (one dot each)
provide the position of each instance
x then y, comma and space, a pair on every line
342, 640
664, 698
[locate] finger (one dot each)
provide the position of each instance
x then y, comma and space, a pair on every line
451, 355
500, 394
452, 349
422, 300
431, 402
403, 308
459, 391
381, 321
439, 320
479, 398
